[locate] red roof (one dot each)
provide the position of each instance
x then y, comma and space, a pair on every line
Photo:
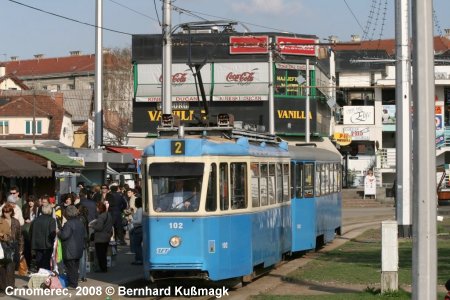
55, 65
60, 65
137, 154
441, 44
22, 105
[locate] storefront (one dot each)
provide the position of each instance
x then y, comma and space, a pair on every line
235, 80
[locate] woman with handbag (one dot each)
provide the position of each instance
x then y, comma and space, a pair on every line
12, 244
102, 227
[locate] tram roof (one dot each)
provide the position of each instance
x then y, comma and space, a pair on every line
310, 152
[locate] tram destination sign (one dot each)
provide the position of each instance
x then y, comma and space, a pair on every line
249, 44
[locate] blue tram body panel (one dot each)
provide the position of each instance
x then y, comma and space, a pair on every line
217, 245
200, 147
303, 224
271, 235
328, 215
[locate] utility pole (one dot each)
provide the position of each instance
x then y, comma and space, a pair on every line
34, 116
98, 88
271, 96
307, 130
166, 96
424, 155
403, 122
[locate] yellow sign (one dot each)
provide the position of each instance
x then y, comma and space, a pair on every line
342, 139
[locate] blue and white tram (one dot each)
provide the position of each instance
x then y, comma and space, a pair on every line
234, 215
316, 199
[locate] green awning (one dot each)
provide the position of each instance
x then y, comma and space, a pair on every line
60, 160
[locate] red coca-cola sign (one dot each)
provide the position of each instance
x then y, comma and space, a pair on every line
241, 78
177, 78
296, 46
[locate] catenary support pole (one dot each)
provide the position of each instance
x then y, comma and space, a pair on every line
307, 130
424, 154
98, 88
271, 96
166, 96
403, 123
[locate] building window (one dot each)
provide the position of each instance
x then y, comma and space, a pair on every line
4, 127
290, 82
71, 86
91, 85
58, 87
29, 127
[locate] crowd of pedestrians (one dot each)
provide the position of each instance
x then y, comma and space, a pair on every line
55, 234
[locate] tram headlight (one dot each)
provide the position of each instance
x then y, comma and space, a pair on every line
175, 241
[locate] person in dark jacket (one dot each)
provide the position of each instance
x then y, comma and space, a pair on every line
72, 236
43, 233
116, 207
102, 227
89, 204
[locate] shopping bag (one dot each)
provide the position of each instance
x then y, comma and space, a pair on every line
59, 252
55, 283
8, 252
64, 281
23, 267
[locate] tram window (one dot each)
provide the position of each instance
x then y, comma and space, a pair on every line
279, 182
238, 177
263, 183
293, 178
286, 188
331, 166
223, 186
145, 191
299, 180
308, 186
338, 176
211, 193
333, 178
271, 184
254, 169
326, 178
318, 180
176, 193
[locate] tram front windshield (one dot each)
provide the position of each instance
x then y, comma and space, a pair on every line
176, 187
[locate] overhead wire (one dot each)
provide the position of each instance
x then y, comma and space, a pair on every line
68, 18
437, 25
369, 20
156, 11
234, 20
135, 11
354, 16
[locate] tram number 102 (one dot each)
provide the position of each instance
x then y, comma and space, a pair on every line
175, 225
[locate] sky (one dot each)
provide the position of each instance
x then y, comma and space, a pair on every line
26, 31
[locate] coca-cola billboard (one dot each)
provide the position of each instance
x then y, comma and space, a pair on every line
296, 46
224, 81
249, 44
240, 78
177, 78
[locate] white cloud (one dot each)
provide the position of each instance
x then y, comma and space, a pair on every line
271, 7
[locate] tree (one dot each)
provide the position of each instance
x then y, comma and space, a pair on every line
118, 95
